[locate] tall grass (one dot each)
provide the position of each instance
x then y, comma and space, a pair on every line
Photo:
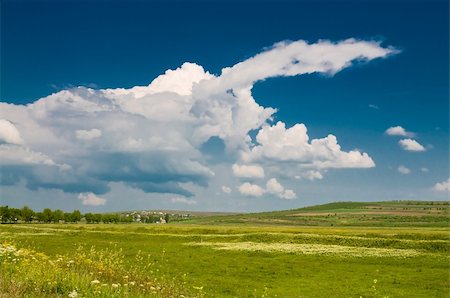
86, 273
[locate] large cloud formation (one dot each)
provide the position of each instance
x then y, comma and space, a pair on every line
150, 137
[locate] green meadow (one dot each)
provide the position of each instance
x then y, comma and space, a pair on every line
386, 249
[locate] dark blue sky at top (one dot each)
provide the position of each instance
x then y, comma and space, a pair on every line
47, 46
51, 45
55, 44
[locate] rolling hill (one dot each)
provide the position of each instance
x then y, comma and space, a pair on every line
389, 213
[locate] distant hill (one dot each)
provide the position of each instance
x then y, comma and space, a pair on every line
389, 213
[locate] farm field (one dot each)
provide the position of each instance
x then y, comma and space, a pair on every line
387, 249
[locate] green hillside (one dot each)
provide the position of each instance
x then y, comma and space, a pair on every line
390, 213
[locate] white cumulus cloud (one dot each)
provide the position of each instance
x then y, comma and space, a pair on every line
248, 171
442, 186
252, 190
150, 137
278, 143
274, 187
91, 199
399, 131
411, 145
9, 133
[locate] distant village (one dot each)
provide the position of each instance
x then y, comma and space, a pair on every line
27, 215
157, 217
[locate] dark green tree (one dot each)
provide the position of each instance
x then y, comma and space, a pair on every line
97, 217
47, 215
26, 214
5, 214
40, 216
15, 214
57, 215
76, 216
89, 217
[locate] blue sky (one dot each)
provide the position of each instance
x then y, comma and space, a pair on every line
122, 44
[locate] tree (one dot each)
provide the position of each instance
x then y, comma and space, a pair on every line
15, 214
106, 218
97, 217
126, 219
47, 215
89, 217
27, 214
166, 217
110, 218
57, 215
5, 214
40, 216
76, 216
67, 217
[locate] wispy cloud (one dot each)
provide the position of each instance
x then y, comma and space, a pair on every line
183, 200
226, 189
88, 134
403, 170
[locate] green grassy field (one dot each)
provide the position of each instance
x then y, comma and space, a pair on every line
387, 249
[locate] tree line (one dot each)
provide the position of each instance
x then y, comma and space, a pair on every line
28, 215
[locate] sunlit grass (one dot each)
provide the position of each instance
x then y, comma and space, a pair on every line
224, 261
86, 273
311, 249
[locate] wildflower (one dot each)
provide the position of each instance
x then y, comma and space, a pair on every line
115, 286
125, 277
132, 283
95, 282
198, 288
104, 285
73, 294
375, 281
